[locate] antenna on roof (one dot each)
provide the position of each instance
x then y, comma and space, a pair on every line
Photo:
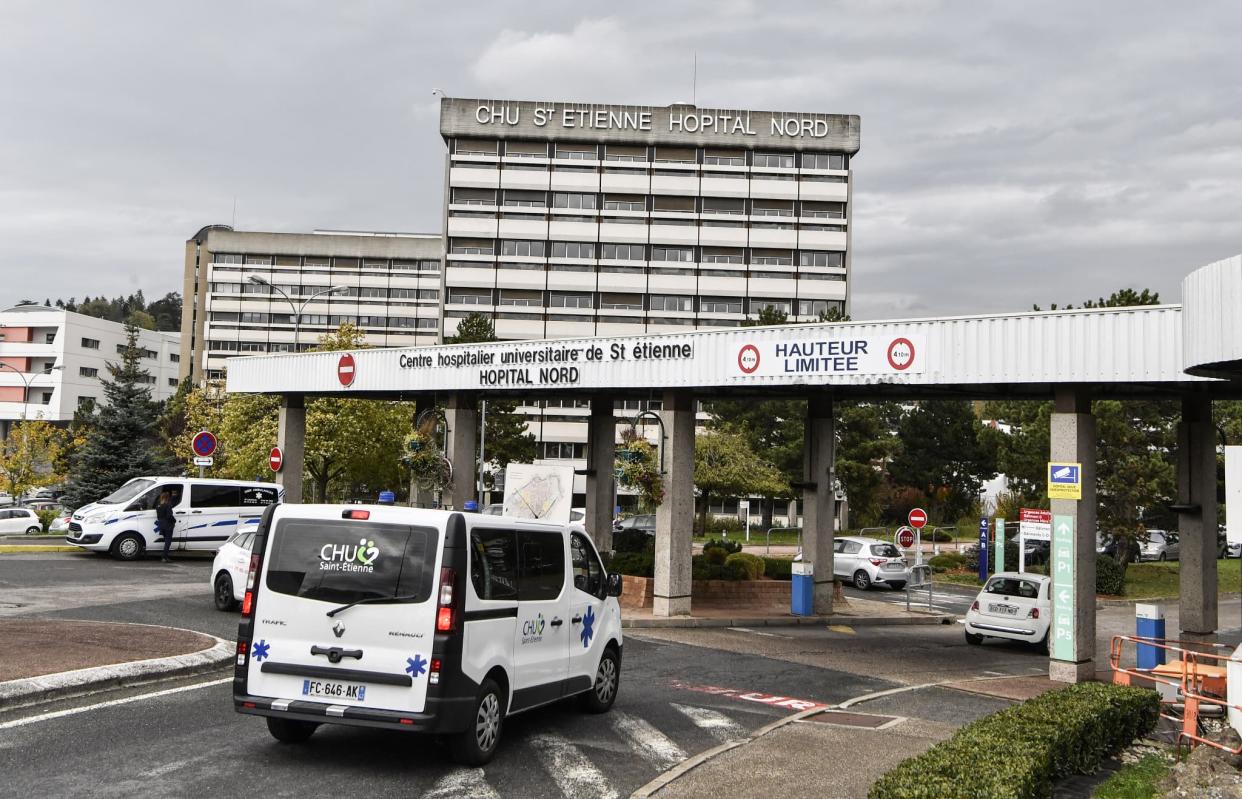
694, 81
234, 225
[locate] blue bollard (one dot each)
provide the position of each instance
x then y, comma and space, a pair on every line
1149, 623
803, 581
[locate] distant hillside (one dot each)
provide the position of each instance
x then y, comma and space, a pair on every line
161, 314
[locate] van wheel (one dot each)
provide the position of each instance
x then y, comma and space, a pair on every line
607, 680
862, 580
224, 593
129, 546
290, 731
476, 745
974, 640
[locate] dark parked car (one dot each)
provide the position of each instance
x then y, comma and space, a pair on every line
643, 521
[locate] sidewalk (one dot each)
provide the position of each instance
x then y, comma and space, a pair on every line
855, 613
48, 659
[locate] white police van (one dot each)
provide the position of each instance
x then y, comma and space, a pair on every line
207, 512
423, 620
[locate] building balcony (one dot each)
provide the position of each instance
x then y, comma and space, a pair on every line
469, 178
776, 239
823, 192
624, 183
821, 240
675, 184
475, 278
620, 233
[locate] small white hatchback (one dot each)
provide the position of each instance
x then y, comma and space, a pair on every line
1011, 605
229, 569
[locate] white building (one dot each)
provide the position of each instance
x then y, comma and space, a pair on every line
53, 362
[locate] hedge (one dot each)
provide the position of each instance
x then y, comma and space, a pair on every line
753, 564
778, 568
1021, 751
1110, 578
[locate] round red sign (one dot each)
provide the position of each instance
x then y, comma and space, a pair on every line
901, 354
204, 444
276, 459
905, 537
748, 359
918, 518
345, 370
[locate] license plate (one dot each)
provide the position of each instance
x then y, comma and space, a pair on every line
328, 689
1010, 610
893, 567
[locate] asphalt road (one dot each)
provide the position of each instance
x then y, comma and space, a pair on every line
954, 599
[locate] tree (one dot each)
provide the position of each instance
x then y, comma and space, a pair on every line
942, 455
1022, 452
725, 465
162, 314
866, 440
505, 438
124, 439
28, 457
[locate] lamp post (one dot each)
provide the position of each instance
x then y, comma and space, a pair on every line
26, 381
297, 309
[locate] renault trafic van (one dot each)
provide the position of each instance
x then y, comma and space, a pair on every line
208, 513
423, 620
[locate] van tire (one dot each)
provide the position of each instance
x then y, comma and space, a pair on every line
603, 692
223, 593
290, 731
128, 546
476, 745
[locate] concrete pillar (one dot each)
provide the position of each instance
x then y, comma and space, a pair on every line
819, 500
1196, 518
600, 482
675, 515
1073, 440
291, 438
420, 497
462, 448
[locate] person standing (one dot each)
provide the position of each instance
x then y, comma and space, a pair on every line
165, 521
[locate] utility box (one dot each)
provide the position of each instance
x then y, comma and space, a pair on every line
803, 579
1233, 689
1149, 623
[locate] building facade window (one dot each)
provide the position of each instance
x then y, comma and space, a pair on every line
683, 254
720, 305
567, 299
90, 343
88, 371
671, 302
774, 160
574, 200
817, 258
523, 248
623, 252
573, 249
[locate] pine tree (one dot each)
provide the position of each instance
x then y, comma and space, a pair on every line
124, 439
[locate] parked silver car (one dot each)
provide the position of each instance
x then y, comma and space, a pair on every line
1160, 545
865, 562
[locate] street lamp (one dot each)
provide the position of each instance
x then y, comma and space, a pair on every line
297, 309
26, 382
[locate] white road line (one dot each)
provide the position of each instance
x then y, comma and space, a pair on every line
464, 783
718, 724
571, 769
651, 744
758, 632
73, 711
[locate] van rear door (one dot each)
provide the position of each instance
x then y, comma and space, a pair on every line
374, 654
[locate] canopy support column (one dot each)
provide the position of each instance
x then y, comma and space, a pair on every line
1073, 440
675, 515
1196, 518
819, 498
463, 447
291, 438
601, 454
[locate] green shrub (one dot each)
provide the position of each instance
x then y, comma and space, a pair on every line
948, 560
937, 536
47, 517
718, 526
715, 555
632, 540
635, 564
728, 546
1110, 578
734, 570
778, 568
1019, 752
752, 563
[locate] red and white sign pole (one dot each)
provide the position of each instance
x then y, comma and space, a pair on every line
918, 519
275, 459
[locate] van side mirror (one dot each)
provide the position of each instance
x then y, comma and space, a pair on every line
614, 585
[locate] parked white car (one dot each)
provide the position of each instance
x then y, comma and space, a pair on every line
61, 523
1011, 605
1160, 545
19, 520
865, 562
6, 499
230, 569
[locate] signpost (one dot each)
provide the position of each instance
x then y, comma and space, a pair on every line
1063, 589
984, 529
1033, 525
275, 459
912, 535
204, 446
1000, 545
918, 519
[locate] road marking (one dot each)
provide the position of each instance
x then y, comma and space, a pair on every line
842, 628
721, 726
58, 714
571, 769
758, 632
651, 744
464, 783
995, 673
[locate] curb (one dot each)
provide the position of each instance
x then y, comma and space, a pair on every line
8, 548
784, 621
1121, 603
16, 694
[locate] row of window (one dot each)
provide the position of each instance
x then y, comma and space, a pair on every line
322, 320
324, 262
618, 301
561, 450
93, 344
678, 271
511, 198
528, 248
366, 293
714, 156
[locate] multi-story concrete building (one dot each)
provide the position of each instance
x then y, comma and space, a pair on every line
52, 362
243, 289
565, 219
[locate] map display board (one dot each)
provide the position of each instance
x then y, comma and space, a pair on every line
539, 491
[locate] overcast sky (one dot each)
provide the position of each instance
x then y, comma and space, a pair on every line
1011, 153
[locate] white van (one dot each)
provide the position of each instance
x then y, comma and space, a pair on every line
208, 513
423, 620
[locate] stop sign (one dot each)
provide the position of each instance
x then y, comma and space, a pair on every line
276, 459
918, 518
345, 370
905, 537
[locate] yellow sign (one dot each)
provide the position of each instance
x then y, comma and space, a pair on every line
1064, 480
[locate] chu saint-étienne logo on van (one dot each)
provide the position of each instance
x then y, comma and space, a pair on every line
358, 557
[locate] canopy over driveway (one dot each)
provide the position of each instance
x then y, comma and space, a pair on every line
1190, 352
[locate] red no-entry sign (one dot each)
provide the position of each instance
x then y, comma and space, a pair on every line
905, 537
345, 370
917, 518
276, 459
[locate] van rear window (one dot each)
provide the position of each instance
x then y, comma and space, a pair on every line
345, 561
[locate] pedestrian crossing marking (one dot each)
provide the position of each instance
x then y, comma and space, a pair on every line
572, 771
462, 783
718, 724
648, 742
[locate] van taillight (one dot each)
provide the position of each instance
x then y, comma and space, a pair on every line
247, 603
360, 515
256, 562
444, 616
433, 676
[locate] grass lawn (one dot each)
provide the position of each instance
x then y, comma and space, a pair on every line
1135, 780
1143, 580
